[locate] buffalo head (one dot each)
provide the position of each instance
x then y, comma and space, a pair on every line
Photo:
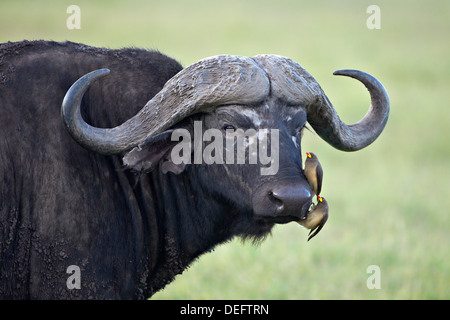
231, 93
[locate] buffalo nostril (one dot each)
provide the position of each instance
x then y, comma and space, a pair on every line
273, 197
278, 200
290, 199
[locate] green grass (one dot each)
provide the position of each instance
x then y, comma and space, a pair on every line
389, 203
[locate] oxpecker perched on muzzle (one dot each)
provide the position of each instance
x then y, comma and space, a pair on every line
313, 173
316, 218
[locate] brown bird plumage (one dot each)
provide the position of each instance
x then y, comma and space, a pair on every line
316, 218
313, 173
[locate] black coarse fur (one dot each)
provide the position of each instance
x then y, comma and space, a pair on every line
62, 205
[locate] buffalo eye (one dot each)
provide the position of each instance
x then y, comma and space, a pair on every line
298, 131
229, 127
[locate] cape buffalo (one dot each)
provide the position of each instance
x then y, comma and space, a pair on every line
93, 204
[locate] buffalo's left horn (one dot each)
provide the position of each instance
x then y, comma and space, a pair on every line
325, 121
294, 85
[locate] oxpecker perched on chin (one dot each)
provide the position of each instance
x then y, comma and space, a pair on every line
316, 217
313, 173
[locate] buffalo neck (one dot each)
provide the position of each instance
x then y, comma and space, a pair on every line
183, 221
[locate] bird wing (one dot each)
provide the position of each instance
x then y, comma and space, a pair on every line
319, 174
316, 231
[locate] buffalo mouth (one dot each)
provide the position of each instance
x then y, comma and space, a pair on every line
282, 219
286, 216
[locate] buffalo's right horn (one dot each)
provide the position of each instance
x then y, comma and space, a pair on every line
205, 84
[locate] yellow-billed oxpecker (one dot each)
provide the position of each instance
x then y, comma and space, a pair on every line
316, 217
313, 173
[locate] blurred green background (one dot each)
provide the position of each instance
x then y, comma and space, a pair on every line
389, 203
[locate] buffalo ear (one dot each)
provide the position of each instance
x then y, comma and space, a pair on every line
168, 166
147, 156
